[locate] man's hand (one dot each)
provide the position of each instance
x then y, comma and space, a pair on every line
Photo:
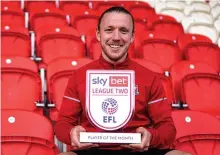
145, 140
74, 136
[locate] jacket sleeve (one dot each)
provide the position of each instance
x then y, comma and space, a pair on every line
163, 130
69, 113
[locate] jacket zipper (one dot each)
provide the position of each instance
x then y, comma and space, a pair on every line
113, 66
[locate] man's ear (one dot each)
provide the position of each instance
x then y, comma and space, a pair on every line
132, 37
98, 34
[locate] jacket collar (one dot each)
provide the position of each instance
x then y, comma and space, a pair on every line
108, 65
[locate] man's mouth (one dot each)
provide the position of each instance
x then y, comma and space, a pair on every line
115, 46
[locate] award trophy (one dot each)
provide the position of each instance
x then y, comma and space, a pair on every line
110, 103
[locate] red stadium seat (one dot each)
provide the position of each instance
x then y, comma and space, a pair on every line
204, 52
59, 42
140, 27
102, 6
21, 84
85, 21
171, 29
73, 7
11, 13
159, 50
142, 12
161, 72
201, 92
160, 17
44, 16
189, 38
92, 45
58, 74
26, 133
15, 41
130, 4
183, 68
197, 133
31, 6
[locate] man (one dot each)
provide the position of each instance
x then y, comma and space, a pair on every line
152, 117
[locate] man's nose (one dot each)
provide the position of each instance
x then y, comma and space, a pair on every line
116, 35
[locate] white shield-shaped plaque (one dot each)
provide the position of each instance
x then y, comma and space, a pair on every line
110, 97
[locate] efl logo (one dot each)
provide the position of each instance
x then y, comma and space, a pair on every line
118, 81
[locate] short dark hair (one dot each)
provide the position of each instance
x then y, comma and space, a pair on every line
118, 9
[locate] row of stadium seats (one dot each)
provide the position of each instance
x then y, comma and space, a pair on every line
26, 133
200, 17
35, 136
53, 43
183, 78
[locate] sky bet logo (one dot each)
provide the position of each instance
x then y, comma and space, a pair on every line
114, 81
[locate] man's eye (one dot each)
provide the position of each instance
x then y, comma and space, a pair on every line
124, 31
108, 30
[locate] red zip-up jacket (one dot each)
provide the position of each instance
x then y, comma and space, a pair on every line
152, 110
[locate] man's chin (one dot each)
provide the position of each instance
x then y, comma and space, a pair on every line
115, 58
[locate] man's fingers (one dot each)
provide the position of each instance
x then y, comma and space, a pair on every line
75, 138
146, 148
87, 145
126, 146
84, 145
134, 146
75, 135
137, 146
145, 140
140, 130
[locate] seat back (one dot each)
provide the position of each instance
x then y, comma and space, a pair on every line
216, 12
206, 98
59, 42
196, 7
188, 38
11, 13
161, 51
58, 74
91, 20
216, 24
183, 68
204, 52
15, 41
43, 17
32, 6
204, 29
102, 6
207, 16
142, 12
140, 26
26, 133
72, 7
197, 133
160, 17
21, 84
172, 29
173, 9
93, 46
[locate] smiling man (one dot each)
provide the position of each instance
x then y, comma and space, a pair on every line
152, 115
